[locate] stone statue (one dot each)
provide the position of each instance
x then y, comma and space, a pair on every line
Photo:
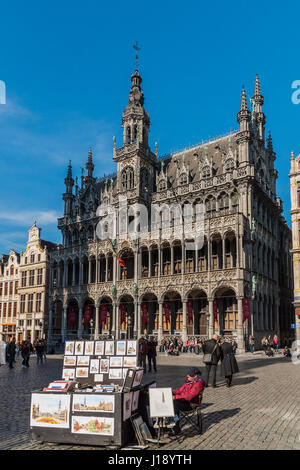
254, 282
114, 291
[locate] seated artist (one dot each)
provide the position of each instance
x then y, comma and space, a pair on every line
188, 396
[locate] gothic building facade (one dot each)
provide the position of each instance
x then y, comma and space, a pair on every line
236, 281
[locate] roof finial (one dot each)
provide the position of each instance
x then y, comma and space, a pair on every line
135, 46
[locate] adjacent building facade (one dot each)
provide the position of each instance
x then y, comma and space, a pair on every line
9, 299
236, 281
32, 321
295, 213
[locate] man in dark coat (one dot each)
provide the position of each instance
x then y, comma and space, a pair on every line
142, 353
229, 365
152, 344
11, 352
211, 347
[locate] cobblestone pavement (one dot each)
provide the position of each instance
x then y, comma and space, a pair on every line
260, 411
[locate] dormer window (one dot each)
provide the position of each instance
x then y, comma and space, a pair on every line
183, 179
162, 185
229, 165
206, 172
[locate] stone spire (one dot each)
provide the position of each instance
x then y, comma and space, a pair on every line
69, 182
258, 101
68, 195
89, 165
270, 143
244, 114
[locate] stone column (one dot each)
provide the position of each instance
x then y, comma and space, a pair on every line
64, 324
106, 268
172, 258
90, 272
137, 319
211, 317
160, 321
79, 332
74, 274
97, 314
208, 253
149, 262
184, 322
223, 253
240, 333
113, 320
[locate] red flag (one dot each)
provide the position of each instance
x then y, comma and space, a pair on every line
72, 316
215, 307
144, 313
121, 262
87, 314
103, 314
246, 309
123, 313
190, 311
167, 311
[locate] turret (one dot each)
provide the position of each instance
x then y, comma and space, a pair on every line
243, 138
68, 195
258, 101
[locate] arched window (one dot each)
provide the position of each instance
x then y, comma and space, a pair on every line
223, 202
128, 134
234, 202
210, 206
127, 178
144, 179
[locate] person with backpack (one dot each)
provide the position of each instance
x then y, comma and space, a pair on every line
211, 356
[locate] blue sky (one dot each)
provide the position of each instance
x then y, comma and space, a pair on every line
67, 68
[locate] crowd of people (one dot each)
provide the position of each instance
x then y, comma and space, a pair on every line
12, 350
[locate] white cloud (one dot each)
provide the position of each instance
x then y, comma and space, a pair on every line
27, 217
68, 139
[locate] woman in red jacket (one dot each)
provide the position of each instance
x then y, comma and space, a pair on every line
188, 396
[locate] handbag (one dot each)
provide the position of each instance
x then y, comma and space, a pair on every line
207, 358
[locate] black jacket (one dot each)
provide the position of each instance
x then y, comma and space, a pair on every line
229, 365
208, 348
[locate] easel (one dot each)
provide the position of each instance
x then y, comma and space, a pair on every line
160, 425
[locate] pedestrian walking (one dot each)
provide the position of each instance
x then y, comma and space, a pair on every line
11, 352
211, 356
152, 344
142, 353
39, 349
229, 365
276, 343
251, 344
2, 353
25, 353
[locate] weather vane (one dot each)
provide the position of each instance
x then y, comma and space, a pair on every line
136, 55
